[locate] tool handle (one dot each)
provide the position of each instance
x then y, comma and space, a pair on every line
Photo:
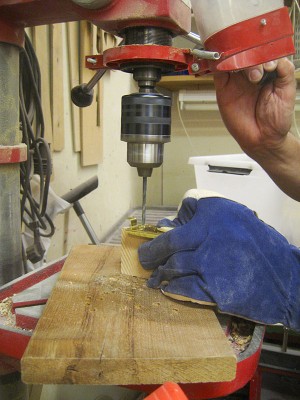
82, 95
80, 191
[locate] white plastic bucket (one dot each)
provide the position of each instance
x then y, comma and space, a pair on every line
212, 16
239, 178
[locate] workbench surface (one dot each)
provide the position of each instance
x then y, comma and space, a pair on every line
101, 327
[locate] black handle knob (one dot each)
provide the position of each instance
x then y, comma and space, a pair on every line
81, 96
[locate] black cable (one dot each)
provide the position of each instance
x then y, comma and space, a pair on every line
33, 210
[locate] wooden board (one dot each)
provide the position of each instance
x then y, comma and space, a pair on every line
101, 327
178, 82
90, 117
40, 37
73, 64
130, 264
57, 95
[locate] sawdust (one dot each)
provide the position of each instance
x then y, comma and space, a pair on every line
241, 333
7, 317
121, 282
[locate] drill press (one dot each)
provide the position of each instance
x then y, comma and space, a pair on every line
146, 115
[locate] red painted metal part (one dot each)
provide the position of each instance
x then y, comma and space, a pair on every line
167, 391
174, 15
14, 340
238, 48
116, 57
26, 322
29, 303
13, 154
30, 279
251, 42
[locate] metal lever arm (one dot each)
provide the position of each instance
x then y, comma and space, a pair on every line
82, 95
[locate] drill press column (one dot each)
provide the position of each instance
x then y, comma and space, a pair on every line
11, 265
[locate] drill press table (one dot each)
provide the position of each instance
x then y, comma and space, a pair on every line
101, 327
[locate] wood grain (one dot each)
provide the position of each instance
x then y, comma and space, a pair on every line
130, 264
40, 38
73, 64
101, 327
57, 95
90, 121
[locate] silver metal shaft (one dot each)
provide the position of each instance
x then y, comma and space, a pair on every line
207, 55
193, 37
144, 200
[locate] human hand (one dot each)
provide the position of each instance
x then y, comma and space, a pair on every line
258, 116
220, 252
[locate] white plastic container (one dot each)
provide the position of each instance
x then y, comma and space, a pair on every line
212, 16
241, 179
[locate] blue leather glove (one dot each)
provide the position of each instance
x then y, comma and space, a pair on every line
220, 252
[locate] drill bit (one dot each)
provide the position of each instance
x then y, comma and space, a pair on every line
144, 200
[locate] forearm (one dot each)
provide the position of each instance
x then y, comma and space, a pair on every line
282, 164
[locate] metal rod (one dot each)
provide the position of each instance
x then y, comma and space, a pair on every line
94, 80
207, 55
194, 38
144, 200
86, 223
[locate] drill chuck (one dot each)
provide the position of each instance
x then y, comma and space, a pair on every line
145, 126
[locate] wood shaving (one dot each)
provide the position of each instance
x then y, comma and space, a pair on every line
241, 332
6, 315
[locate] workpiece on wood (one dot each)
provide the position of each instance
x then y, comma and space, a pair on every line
130, 264
103, 327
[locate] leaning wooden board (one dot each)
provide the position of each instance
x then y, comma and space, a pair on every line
101, 327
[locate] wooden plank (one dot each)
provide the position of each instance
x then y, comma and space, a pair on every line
101, 327
57, 93
130, 264
91, 135
74, 61
178, 82
41, 43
